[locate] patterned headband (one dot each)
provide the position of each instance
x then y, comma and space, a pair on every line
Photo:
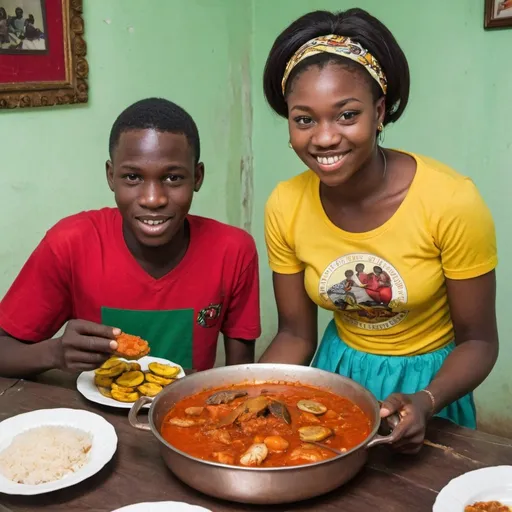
342, 46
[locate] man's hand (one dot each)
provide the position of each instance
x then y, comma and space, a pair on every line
85, 345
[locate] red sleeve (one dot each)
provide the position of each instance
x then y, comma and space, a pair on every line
39, 301
242, 320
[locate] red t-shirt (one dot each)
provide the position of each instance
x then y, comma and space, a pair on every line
83, 264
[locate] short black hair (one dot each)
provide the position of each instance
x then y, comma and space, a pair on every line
360, 26
156, 114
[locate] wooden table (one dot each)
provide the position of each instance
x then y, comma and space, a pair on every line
389, 483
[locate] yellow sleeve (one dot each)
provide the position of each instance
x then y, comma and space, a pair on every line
466, 235
281, 254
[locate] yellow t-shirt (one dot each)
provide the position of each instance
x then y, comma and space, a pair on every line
385, 286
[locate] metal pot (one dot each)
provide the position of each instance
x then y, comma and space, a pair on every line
261, 485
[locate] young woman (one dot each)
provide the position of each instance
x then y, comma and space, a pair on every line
414, 234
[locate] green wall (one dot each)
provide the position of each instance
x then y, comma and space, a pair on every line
208, 55
459, 112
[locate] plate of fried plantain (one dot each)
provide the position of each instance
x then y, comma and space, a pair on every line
120, 382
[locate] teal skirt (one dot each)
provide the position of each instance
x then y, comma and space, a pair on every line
383, 375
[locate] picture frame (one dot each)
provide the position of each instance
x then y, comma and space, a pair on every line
42, 53
498, 14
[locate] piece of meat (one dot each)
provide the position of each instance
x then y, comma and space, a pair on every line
308, 418
224, 457
307, 452
218, 411
222, 436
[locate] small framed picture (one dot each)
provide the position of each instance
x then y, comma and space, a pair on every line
23, 27
42, 53
498, 13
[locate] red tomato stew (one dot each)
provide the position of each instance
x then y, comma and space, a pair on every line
267, 425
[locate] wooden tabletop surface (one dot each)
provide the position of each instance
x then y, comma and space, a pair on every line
137, 473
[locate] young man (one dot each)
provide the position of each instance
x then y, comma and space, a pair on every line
146, 267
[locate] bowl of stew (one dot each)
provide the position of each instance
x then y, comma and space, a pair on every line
263, 433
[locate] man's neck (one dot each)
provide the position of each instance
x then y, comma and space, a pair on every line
158, 261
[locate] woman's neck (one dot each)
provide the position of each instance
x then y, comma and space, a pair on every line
363, 185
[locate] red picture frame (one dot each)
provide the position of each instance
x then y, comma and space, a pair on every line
57, 73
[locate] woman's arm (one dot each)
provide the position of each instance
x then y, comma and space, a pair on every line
472, 308
296, 339
473, 312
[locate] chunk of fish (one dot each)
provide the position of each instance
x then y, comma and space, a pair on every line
307, 452
253, 407
249, 409
307, 417
230, 418
224, 457
184, 422
222, 436
194, 411
280, 411
255, 455
225, 397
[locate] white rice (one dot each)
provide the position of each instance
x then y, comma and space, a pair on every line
45, 454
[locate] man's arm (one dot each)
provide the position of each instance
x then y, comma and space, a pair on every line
19, 359
238, 351
83, 346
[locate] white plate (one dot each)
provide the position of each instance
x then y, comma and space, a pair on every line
487, 484
85, 383
162, 506
104, 444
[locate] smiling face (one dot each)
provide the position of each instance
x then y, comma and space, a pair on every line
153, 176
333, 119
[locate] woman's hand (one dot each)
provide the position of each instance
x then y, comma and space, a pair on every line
415, 411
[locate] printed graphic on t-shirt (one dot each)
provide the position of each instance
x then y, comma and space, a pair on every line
367, 290
209, 316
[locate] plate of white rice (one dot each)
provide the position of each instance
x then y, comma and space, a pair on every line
49, 449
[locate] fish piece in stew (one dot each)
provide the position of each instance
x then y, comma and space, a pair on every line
280, 411
225, 396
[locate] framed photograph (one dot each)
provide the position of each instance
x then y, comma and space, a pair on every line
23, 27
42, 53
498, 13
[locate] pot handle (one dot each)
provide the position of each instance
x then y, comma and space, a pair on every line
134, 411
392, 422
